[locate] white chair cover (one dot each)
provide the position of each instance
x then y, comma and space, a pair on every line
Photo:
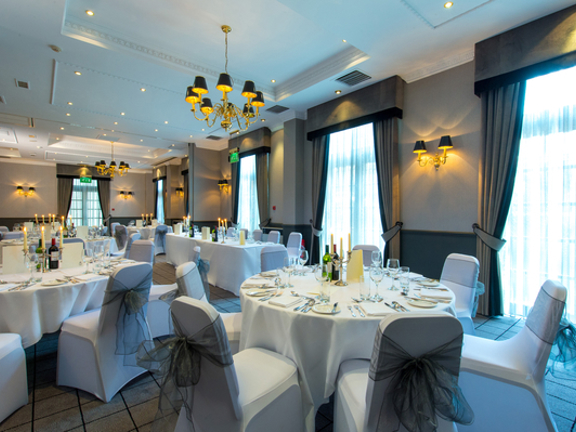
460, 274
88, 346
257, 235
367, 391
113, 226
4, 229
366, 253
13, 382
504, 380
273, 237
142, 251
293, 245
82, 231
13, 260
272, 257
74, 240
12, 235
258, 392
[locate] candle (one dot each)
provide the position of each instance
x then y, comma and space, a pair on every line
226, 223
43, 239
61, 236
25, 247
42, 219
349, 243
331, 242
36, 216
341, 248
62, 220
219, 223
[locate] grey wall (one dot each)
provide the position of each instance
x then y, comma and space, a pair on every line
141, 185
277, 177
206, 191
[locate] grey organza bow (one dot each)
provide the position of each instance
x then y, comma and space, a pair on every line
420, 387
131, 326
203, 269
177, 361
121, 237
161, 232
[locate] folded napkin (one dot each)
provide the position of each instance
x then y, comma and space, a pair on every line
8, 286
375, 309
284, 301
260, 285
436, 294
87, 277
413, 276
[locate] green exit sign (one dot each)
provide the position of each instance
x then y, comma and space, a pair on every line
234, 157
85, 179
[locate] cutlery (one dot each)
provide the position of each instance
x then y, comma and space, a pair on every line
398, 305
390, 306
334, 308
278, 294
297, 308
352, 311
360, 311
17, 287
307, 309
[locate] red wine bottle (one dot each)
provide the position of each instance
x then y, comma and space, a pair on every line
54, 254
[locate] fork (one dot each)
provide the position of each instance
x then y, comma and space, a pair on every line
352, 311
360, 311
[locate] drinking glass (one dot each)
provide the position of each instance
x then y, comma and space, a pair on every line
376, 274
289, 268
87, 259
98, 257
377, 257
322, 278
364, 289
393, 267
404, 275
302, 260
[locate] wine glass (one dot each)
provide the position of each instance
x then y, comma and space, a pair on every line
377, 258
376, 274
322, 277
288, 269
393, 267
87, 258
303, 259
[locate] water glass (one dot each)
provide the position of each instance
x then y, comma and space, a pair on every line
35, 268
376, 274
322, 279
364, 289
393, 267
377, 257
404, 279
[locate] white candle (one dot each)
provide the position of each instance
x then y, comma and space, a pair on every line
43, 239
36, 216
349, 243
25, 247
42, 219
341, 248
61, 236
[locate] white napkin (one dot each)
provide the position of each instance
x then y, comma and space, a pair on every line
259, 285
375, 309
436, 294
7, 286
87, 277
284, 301
413, 276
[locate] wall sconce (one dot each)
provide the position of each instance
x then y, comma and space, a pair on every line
126, 195
180, 192
437, 160
224, 186
24, 193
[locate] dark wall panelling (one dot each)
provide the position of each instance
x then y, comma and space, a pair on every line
425, 251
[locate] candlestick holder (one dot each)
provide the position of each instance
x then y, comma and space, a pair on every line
340, 263
222, 233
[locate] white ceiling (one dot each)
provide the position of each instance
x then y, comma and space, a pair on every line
160, 45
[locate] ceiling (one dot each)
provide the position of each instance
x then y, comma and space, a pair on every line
121, 75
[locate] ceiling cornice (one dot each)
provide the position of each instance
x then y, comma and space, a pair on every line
440, 66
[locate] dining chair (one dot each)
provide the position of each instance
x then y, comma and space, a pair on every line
504, 380
142, 251
4, 229
90, 343
12, 235
126, 251
460, 274
160, 239
254, 390
121, 236
113, 226
366, 253
257, 235
367, 389
13, 381
82, 231
294, 244
272, 257
273, 237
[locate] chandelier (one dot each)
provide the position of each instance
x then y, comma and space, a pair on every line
226, 111
112, 168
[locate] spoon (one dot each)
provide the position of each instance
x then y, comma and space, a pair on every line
334, 308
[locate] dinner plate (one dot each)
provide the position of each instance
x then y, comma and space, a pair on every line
259, 292
429, 283
326, 309
268, 274
422, 303
53, 282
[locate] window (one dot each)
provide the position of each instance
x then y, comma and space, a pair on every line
352, 189
541, 225
85, 208
248, 211
160, 201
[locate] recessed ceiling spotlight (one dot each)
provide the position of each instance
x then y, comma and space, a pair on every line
54, 153
166, 122
57, 139
78, 73
55, 48
141, 140
90, 13
262, 120
344, 40
191, 136
68, 114
448, 4
173, 145
112, 130
155, 130
138, 161
338, 91
61, 128
69, 103
104, 134
122, 113
116, 123
202, 130
38, 146
273, 81
142, 89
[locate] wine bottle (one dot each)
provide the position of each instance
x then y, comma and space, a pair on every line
335, 270
54, 254
326, 262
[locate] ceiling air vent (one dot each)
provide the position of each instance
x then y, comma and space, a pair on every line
353, 78
213, 137
277, 109
23, 84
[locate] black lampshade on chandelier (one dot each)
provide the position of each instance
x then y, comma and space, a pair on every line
226, 111
112, 168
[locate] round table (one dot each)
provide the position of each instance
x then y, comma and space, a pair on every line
318, 343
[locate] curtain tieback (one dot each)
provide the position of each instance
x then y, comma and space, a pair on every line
388, 235
265, 223
488, 239
315, 232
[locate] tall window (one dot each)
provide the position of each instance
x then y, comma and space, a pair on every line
85, 208
541, 225
248, 211
352, 189
160, 201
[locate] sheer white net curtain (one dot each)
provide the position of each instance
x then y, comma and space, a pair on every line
248, 210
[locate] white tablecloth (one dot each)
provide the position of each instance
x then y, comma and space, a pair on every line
38, 309
317, 343
230, 263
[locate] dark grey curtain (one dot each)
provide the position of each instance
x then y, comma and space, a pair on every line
186, 194
502, 112
235, 183
387, 168
263, 186
320, 148
104, 197
64, 195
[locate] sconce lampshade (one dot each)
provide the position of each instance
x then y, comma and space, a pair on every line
225, 182
445, 142
19, 189
191, 96
121, 192
31, 189
200, 86
249, 90
420, 147
224, 83
130, 193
